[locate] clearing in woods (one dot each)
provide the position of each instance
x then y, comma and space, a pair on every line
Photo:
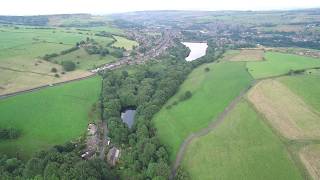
211, 91
49, 116
310, 157
286, 111
241, 147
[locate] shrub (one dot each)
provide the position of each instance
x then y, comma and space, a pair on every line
68, 65
207, 69
185, 96
54, 70
56, 75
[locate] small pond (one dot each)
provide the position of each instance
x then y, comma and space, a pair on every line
197, 50
127, 116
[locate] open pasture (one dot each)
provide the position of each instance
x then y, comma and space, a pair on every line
85, 61
305, 86
49, 116
211, 93
125, 43
22, 47
287, 112
279, 64
242, 147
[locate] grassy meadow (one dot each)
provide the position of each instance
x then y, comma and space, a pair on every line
280, 64
49, 116
242, 147
124, 43
212, 92
306, 86
85, 61
22, 47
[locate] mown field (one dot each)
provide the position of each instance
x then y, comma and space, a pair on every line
280, 64
287, 112
48, 117
306, 86
124, 43
310, 157
212, 92
242, 147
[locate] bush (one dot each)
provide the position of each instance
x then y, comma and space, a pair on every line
54, 70
56, 75
68, 65
207, 69
9, 133
185, 96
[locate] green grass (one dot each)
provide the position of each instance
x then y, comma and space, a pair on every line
83, 60
279, 64
124, 43
212, 92
242, 147
306, 86
48, 117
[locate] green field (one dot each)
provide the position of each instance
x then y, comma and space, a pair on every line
306, 86
242, 147
48, 117
83, 60
279, 64
212, 92
22, 49
124, 43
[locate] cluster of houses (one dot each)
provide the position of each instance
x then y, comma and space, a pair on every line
92, 146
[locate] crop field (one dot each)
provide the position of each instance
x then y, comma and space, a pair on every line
242, 147
310, 156
287, 112
124, 43
85, 61
306, 86
280, 64
49, 116
212, 92
248, 55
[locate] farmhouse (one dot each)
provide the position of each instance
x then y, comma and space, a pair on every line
92, 141
113, 156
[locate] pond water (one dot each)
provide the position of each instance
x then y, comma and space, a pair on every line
127, 116
197, 50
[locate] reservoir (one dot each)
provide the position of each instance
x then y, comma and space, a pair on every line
127, 116
197, 50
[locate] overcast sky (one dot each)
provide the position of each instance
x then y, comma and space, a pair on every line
35, 7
